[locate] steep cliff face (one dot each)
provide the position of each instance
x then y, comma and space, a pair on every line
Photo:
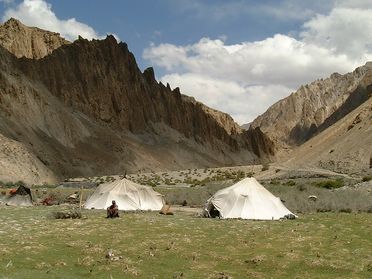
223, 119
18, 163
86, 109
30, 42
101, 79
344, 147
315, 107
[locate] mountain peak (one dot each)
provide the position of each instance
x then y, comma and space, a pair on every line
13, 21
29, 42
316, 106
111, 38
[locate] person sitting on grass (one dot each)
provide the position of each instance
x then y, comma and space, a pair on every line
113, 210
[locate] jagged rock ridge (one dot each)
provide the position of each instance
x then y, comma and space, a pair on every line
86, 109
315, 107
102, 80
30, 42
344, 147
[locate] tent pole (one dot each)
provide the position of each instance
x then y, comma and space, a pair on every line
81, 197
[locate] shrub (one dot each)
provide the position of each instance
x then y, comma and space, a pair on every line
67, 215
330, 184
265, 166
324, 209
150, 183
274, 182
169, 182
109, 179
290, 183
240, 174
301, 187
228, 175
345, 210
9, 184
15, 184
367, 178
205, 181
187, 180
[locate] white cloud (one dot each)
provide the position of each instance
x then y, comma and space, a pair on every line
359, 4
276, 60
344, 30
241, 102
244, 79
39, 13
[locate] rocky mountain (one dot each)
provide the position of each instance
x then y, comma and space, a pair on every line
30, 42
17, 163
315, 107
246, 126
344, 147
85, 108
326, 124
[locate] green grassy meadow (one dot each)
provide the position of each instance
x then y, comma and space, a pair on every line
147, 245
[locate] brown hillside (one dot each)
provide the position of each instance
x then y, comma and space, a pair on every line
344, 147
86, 109
315, 107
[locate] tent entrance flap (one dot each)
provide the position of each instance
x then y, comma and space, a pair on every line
214, 213
210, 211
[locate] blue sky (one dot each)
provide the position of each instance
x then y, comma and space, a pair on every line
141, 22
236, 56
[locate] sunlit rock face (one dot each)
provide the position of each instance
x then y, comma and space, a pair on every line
85, 108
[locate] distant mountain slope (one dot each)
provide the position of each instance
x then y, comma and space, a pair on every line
315, 107
30, 42
86, 109
102, 80
246, 126
345, 147
16, 161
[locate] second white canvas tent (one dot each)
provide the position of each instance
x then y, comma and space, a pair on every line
128, 196
247, 199
22, 197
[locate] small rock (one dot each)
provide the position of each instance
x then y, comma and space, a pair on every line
109, 254
10, 263
178, 275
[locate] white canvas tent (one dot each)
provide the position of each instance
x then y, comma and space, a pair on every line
128, 196
22, 197
247, 199
19, 200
